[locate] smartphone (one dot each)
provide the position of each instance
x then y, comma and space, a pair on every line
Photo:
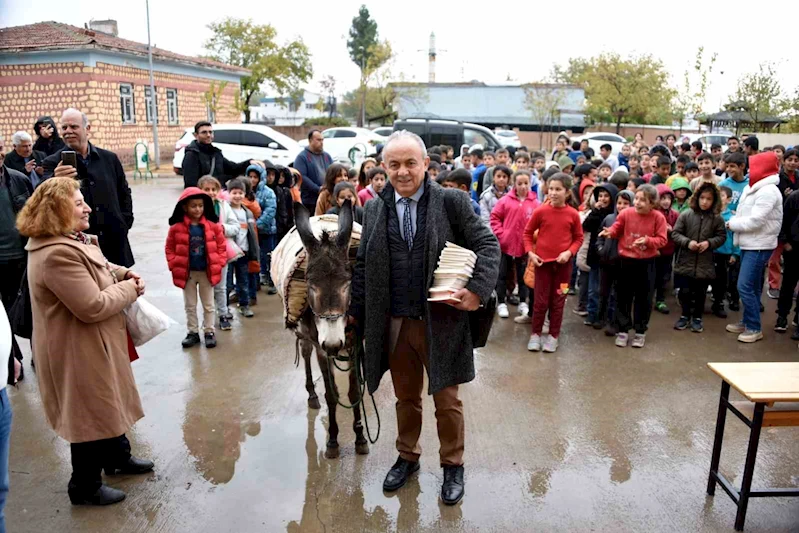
69, 157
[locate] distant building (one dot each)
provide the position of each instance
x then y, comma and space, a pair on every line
282, 111
48, 67
493, 106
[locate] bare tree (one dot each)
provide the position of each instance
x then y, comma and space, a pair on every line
544, 100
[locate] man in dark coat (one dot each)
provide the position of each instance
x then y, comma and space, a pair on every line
404, 231
103, 184
202, 158
24, 159
312, 164
15, 189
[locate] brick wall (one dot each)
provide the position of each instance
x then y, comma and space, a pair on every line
30, 91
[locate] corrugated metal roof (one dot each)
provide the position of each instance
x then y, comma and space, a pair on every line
480, 103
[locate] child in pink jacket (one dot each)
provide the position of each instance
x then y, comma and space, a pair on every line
508, 220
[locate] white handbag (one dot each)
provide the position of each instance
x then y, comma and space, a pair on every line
145, 321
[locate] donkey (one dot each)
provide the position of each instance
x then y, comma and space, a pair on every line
328, 274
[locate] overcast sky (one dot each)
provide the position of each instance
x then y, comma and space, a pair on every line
516, 40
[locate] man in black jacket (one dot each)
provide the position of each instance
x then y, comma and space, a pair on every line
202, 158
15, 189
103, 184
24, 159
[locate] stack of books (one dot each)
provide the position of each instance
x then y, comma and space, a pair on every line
455, 269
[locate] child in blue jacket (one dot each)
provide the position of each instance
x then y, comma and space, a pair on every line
726, 259
267, 226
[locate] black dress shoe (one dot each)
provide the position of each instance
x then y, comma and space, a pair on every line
134, 465
452, 490
105, 495
399, 474
210, 340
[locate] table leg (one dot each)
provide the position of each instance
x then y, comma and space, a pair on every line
749, 467
720, 421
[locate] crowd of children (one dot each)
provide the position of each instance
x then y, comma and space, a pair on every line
619, 231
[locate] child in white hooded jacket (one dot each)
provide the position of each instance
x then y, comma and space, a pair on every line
756, 227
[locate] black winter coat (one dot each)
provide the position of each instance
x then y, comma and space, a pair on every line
693, 226
789, 232
51, 145
15, 161
593, 222
105, 188
198, 162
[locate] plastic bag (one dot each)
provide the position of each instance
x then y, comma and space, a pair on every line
145, 321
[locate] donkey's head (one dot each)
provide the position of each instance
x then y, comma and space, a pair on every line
328, 274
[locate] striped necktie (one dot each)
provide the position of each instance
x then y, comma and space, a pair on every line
406, 222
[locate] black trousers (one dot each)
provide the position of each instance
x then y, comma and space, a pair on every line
10, 278
693, 293
608, 283
726, 282
89, 459
663, 267
636, 285
790, 277
506, 265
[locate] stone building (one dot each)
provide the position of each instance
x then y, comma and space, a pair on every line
48, 67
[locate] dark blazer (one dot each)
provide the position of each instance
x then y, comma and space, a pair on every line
14, 161
105, 187
449, 341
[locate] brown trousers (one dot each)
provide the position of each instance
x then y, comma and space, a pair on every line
408, 361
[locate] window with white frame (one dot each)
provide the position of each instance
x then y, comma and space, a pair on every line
172, 105
148, 105
126, 103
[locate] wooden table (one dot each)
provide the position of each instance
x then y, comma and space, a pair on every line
763, 385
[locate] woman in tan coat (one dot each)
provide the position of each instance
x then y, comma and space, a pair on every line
82, 361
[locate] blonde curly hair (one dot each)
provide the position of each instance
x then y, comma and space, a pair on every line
50, 211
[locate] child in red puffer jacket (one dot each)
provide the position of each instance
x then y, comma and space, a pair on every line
196, 252
508, 220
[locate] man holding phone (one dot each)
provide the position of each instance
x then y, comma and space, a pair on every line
23, 158
103, 184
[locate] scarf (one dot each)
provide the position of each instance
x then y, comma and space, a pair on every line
81, 237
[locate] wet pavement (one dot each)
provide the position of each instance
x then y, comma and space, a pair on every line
592, 438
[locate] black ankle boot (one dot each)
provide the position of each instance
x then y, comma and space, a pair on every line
132, 466
105, 495
399, 474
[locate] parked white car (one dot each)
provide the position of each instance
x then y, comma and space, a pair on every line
508, 138
598, 138
384, 131
339, 142
240, 142
708, 139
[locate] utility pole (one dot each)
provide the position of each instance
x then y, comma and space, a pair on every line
153, 109
363, 87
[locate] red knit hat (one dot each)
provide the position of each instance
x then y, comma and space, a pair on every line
762, 166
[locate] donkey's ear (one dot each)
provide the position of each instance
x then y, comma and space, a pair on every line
344, 225
303, 221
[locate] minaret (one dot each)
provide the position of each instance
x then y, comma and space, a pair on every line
432, 58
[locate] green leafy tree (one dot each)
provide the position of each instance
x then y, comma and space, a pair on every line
758, 94
254, 47
212, 97
619, 89
365, 50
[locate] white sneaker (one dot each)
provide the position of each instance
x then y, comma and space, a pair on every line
534, 344
523, 319
502, 311
550, 344
523, 308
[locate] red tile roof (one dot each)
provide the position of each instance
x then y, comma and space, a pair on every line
57, 36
